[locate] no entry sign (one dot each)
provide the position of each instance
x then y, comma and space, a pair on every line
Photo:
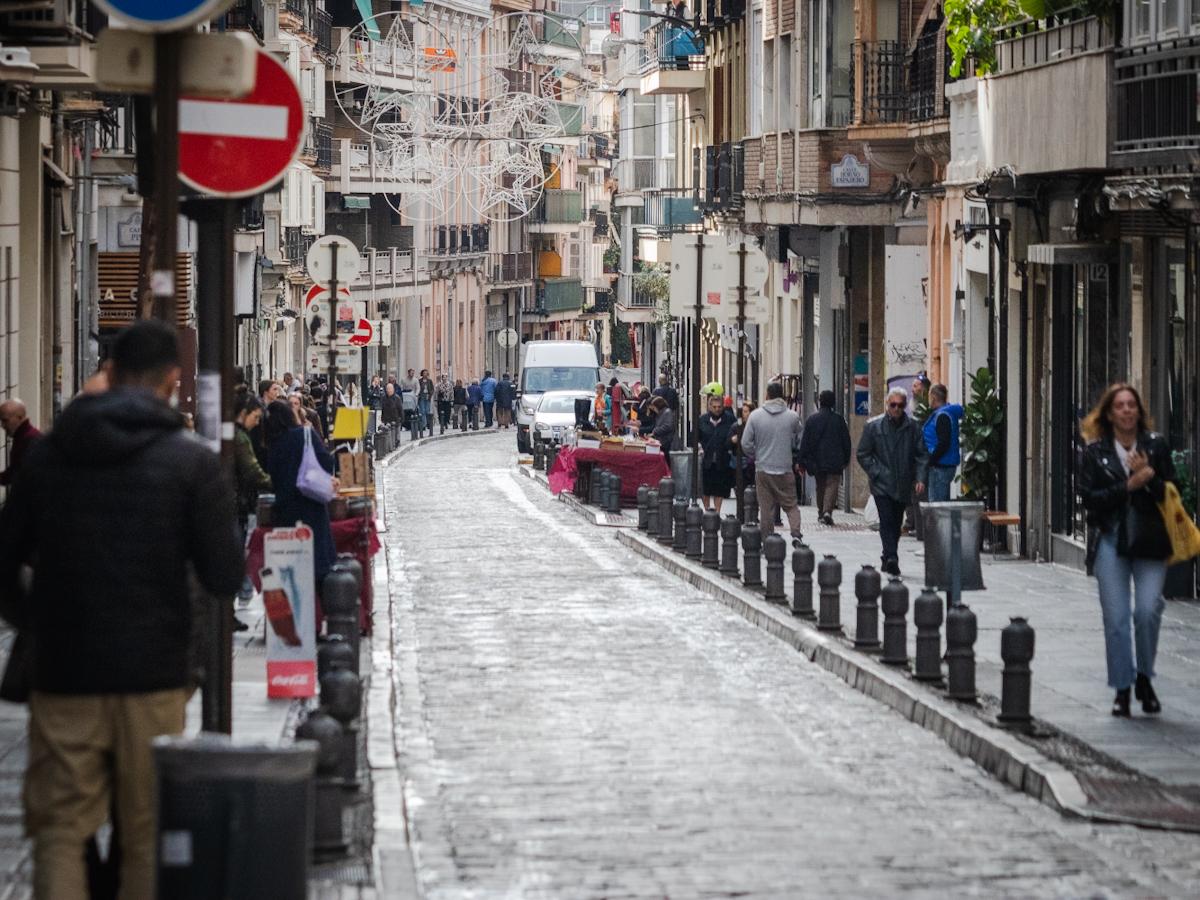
239, 148
164, 15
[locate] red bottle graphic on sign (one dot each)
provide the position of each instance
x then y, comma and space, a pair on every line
279, 608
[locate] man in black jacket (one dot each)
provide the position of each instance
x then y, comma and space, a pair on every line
113, 509
892, 453
825, 453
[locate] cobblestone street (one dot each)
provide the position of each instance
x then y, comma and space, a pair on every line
574, 721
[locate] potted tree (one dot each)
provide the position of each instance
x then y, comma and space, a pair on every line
982, 430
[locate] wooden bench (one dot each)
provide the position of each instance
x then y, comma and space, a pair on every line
997, 521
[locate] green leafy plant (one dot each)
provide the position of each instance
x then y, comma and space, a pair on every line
1185, 480
971, 31
982, 429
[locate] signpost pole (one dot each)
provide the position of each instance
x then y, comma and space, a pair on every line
166, 174
696, 410
741, 377
333, 293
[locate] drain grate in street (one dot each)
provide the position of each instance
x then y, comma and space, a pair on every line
1144, 801
350, 871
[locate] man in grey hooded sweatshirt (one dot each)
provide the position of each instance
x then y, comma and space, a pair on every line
772, 436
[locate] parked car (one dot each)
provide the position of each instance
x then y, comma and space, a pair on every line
552, 366
555, 415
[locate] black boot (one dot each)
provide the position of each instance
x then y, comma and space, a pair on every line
1143, 690
1120, 705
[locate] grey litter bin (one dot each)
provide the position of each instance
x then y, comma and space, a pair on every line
681, 473
937, 519
235, 821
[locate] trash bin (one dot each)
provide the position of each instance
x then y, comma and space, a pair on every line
937, 519
235, 821
681, 473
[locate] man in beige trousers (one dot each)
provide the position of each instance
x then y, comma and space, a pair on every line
772, 437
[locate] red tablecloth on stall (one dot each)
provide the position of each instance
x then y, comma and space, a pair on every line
635, 469
347, 538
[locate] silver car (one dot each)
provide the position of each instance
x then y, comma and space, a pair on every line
555, 415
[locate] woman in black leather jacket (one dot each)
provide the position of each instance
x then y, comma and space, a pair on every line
1125, 470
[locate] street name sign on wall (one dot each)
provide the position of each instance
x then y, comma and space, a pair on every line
239, 148
164, 15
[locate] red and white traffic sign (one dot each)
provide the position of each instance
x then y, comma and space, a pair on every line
317, 293
363, 334
239, 148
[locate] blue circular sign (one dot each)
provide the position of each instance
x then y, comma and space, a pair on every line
164, 15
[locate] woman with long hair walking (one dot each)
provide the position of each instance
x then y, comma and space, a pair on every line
1125, 470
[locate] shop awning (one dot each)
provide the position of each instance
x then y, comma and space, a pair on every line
368, 15
1080, 254
350, 202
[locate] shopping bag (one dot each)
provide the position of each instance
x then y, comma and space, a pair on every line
312, 480
871, 513
1184, 535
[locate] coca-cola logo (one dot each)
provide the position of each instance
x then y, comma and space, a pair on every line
290, 680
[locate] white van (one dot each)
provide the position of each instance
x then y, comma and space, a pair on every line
552, 366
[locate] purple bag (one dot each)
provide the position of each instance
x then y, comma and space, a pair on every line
312, 480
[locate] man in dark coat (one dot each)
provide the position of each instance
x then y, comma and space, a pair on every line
825, 453
112, 511
667, 392
892, 453
15, 421
506, 392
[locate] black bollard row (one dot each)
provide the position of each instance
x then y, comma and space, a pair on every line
961, 632
829, 580
595, 484
927, 615
804, 562
730, 530
643, 499
652, 513
750, 505
894, 600
339, 599
329, 831
694, 538
752, 555
679, 514
775, 550
710, 526
614, 494
866, 589
666, 494
1016, 649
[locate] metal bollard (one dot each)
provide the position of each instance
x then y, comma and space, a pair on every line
866, 589
1016, 649
329, 833
804, 561
692, 519
894, 600
666, 493
595, 483
752, 540
710, 526
539, 458
339, 600
341, 697
552, 455
652, 513
334, 652
775, 549
679, 508
643, 493
730, 529
961, 631
829, 580
350, 563
614, 494
750, 505
927, 614
605, 489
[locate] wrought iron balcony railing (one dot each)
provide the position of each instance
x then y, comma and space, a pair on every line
877, 80
673, 47
1157, 111
672, 210
724, 175
512, 268
560, 295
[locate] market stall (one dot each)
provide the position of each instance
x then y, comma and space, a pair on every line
574, 466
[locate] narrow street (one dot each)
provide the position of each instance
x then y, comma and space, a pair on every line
574, 721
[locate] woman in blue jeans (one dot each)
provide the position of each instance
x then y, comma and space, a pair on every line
1125, 470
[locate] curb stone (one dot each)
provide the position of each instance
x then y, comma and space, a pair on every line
999, 753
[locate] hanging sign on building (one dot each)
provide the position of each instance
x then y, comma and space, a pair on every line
850, 173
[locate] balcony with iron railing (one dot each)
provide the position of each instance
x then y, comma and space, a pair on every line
595, 151
250, 214
295, 245
1158, 116
672, 210
51, 22
642, 174
323, 137
877, 82
724, 175
460, 240
1055, 77
597, 300
600, 224
323, 31
390, 267
246, 15
558, 295
557, 211
512, 268
675, 61
719, 13
559, 33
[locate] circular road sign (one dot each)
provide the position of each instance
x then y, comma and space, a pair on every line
507, 338
239, 148
320, 260
164, 15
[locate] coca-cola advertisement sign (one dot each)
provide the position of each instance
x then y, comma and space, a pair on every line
289, 595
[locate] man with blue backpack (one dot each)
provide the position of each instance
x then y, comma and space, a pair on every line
941, 440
